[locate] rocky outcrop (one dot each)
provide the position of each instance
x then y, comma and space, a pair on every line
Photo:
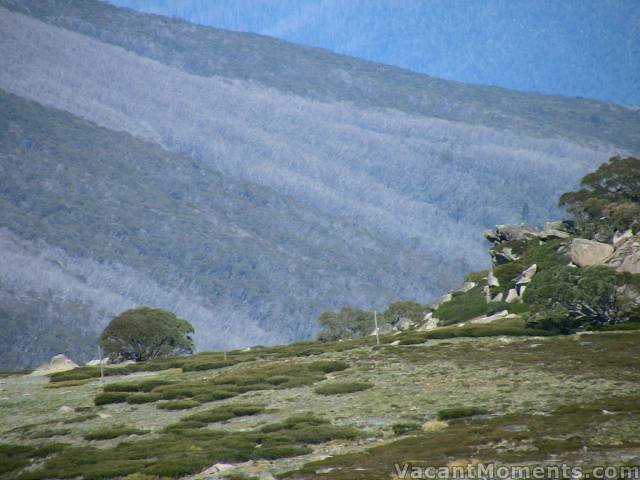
557, 229
513, 296
404, 324
440, 301
430, 322
465, 287
506, 233
585, 253
382, 329
58, 363
492, 281
626, 256
490, 318
526, 276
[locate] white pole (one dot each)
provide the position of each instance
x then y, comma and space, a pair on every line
225, 354
375, 319
101, 364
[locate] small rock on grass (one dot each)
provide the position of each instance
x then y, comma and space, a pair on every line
434, 425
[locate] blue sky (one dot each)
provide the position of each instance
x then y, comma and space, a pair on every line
588, 48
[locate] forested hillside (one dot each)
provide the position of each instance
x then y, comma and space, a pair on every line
139, 225
252, 183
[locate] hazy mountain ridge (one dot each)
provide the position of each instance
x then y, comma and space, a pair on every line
364, 195
118, 222
321, 74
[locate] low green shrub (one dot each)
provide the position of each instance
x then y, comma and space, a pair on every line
329, 366
110, 397
223, 413
178, 404
196, 366
48, 433
403, 428
67, 383
460, 412
143, 386
307, 429
81, 418
14, 457
338, 388
137, 398
113, 432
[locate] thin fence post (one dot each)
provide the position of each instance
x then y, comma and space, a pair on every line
375, 320
101, 364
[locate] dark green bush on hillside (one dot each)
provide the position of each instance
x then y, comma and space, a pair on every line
566, 298
347, 323
404, 309
338, 388
609, 199
460, 412
146, 333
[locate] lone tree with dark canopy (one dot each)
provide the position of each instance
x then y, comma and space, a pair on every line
145, 333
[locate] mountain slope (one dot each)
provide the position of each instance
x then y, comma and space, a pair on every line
139, 225
321, 74
377, 180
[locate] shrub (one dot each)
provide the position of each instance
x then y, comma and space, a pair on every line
404, 309
465, 306
144, 386
223, 413
329, 366
345, 324
178, 404
405, 427
193, 367
66, 384
460, 412
113, 432
110, 397
81, 418
565, 298
337, 388
137, 398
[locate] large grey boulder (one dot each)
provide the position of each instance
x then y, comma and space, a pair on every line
465, 287
512, 296
526, 276
626, 256
404, 324
58, 363
492, 281
557, 229
490, 318
505, 233
585, 253
500, 257
430, 322
382, 329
